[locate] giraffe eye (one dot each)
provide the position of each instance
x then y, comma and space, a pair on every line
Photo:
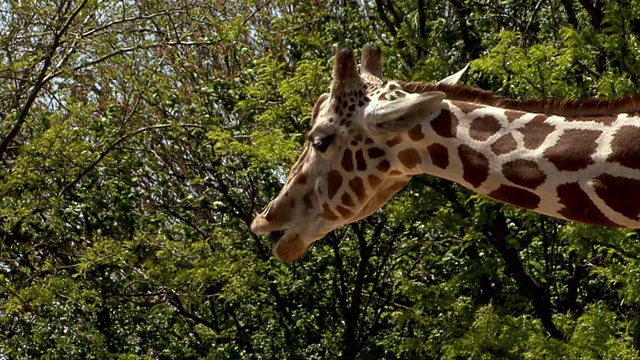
321, 144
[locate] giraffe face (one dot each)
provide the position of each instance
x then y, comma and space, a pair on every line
350, 165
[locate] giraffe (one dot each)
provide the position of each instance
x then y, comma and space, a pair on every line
569, 159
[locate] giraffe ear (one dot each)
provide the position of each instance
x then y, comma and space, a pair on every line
403, 113
455, 78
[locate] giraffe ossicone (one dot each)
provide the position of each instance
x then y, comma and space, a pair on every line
576, 160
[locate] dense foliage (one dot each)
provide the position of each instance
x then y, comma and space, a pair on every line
137, 140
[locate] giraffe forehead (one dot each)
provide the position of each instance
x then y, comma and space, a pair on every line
372, 82
350, 95
340, 110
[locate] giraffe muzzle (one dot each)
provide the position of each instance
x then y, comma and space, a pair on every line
262, 224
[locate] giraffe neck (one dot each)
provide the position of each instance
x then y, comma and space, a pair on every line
578, 168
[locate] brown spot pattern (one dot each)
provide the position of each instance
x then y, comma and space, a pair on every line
347, 200
619, 193
410, 158
603, 119
306, 200
360, 163
524, 172
625, 147
504, 145
475, 166
374, 181
439, 155
514, 114
573, 150
384, 166
327, 213
415, 133
335, 182
483, 127
398, 185
394, 141
579, 207
375, 152
516, 196
357, 186
536, 131
300, 179
467, 107
347, 160
445, 125
344, 212
388, 192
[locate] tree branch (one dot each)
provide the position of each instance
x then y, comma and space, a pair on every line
594, 8
383, 15
110, 148
528, 285
140, 47
41, 80
571, 14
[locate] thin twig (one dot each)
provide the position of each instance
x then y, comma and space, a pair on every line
110, 148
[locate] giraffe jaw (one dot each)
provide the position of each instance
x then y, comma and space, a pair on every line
289, 245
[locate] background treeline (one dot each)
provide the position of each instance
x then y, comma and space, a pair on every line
138, 138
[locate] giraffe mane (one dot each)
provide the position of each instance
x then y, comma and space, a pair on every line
550, 106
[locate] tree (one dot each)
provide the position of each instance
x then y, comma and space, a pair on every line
138, 139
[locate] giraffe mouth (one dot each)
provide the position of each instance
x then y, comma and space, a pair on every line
276, 235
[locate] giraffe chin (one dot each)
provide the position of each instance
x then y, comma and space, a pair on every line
289, 247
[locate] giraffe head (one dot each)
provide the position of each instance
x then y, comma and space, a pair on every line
352, 163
